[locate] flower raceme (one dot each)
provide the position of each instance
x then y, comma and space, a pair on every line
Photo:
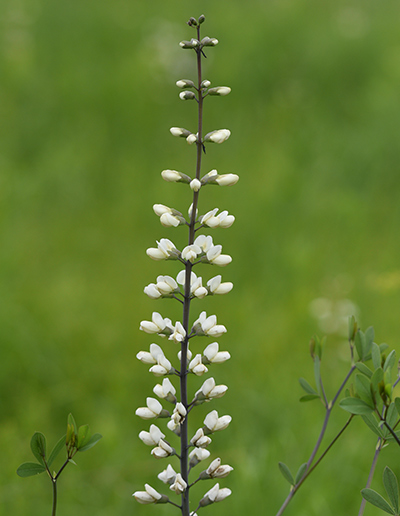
198, 251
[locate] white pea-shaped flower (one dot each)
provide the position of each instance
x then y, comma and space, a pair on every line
178, 334
165, 390
190, 253
216, 470
152, 357
212, 355
169, 217
166, 285
213, 423
215, 257
197, 367
163, 450
179, 414
152, 291
168, 475
197, 455
149, 496
200, 440
215, 495
212, 220
227, 179
162, 367
216, 287
152, 437
153, 409
166, 250
157, 325
197, 289
204, 242
179, 486
192, 138
210, 390
208, 326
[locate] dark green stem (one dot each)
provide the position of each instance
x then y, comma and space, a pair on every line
187, 298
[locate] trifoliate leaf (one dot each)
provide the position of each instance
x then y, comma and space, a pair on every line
355, 406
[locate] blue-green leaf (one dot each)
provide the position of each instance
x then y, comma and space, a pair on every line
300, 472
307, 387
286, 473
372, 423
390, 361
391, 487
38, 447
363, 389
92, 441
364, 369
355, 406
309, 397
376, 355
359, 341
28, 469
376, 499
56, 450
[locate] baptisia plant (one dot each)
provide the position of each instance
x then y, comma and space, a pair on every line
175, 400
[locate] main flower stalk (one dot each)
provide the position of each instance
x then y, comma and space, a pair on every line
186, 287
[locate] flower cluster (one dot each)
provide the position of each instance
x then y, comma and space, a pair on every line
185, 287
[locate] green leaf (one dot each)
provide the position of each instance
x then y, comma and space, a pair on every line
309, 397
376, 355
376, 379
397, 404
286, 473
92, 441
317, 373
355, 406
369, 339
307, 387
299, 475
352, 327
83, 436
364, 369
391, 416
359, 341
372, 423
38, 447
390, 361
391, 487
28, 469
376, 499
56, 450
363, 388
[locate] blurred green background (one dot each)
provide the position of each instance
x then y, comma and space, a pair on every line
88, 96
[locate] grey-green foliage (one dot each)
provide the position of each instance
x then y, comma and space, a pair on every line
392, 490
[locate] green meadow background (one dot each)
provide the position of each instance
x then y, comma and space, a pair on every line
88, 95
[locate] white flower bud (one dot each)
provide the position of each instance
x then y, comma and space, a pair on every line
173, 176
168, 220
218, 136
179, 333
187, 95
209, 42
195, 185
190, 253
157, 325
219, 90
205, 84
193, 43
227, 179
210, 177
204, 242
192, 138
209, 390
180, 132
166, 250
162, 367
215, 470
185, 83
